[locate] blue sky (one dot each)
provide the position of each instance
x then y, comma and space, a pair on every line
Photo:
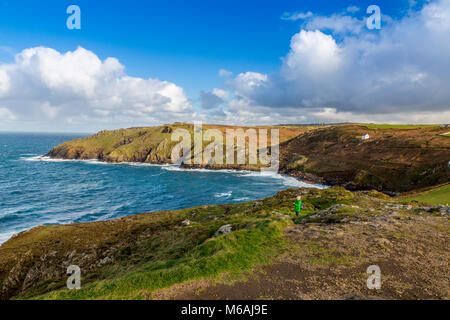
148, 62
185, 42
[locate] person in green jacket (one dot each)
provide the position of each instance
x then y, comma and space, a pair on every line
298, 205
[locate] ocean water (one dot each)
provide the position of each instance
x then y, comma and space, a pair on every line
40, 191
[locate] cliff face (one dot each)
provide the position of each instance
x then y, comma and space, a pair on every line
152, 145
390, 160
394, 160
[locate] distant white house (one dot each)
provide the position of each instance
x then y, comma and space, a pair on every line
365, 137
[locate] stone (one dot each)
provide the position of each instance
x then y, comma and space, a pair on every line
104, 261
186, 222
443, 210
328, 213
226, 229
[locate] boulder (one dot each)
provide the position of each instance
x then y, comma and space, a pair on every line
226, 229
329, 212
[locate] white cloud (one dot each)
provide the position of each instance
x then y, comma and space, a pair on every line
294, 16
352, 9
249, 80
46, 86
337, 23
221, 93
400, 72
313, 53
225, 73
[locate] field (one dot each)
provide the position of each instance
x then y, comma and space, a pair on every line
439, 195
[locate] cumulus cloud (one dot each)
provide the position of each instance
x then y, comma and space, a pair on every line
213, 99
400, 72
44, 85
221, 93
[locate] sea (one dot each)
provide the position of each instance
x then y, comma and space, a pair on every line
36, 190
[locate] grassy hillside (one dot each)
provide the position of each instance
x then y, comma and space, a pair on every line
391, 160
150, 255
151, 144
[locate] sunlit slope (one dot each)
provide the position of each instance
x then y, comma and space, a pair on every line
150, 144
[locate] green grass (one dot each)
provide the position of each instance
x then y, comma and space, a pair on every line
439, 195
258, 240
400, 126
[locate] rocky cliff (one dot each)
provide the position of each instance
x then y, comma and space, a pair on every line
391, 160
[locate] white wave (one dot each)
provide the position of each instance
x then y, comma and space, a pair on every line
287, 181
177, 168
90, 161
223, 194
5, 237
242, 199
48, 159
141, 164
